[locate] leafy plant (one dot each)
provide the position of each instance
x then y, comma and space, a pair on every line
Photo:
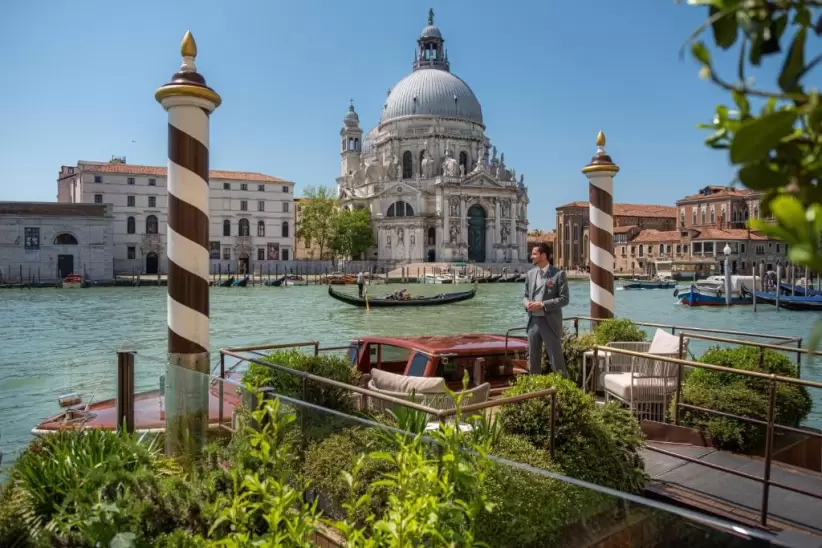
741, 395
318, 210
778, 149
618, 329
574, 348
353, 233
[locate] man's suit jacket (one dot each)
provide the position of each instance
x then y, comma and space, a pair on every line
552, 291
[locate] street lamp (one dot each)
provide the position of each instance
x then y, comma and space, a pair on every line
727, 252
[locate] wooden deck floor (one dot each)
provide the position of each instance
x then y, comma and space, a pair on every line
731, 496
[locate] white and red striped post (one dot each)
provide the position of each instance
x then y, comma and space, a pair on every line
189, 102
600, 173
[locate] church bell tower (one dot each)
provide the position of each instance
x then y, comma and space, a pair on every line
351, 142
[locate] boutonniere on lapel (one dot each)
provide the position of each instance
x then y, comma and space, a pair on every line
550, 282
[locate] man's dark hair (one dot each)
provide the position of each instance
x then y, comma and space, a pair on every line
543, 247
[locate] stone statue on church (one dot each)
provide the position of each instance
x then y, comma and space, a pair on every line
462, 170
503, 234
450, 166
388, 240
400, 236
374, 172
390, 166
455, 230
505, 209
427, 165
454, 206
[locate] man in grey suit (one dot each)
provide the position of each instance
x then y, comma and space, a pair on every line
546, 292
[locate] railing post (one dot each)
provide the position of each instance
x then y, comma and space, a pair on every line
595, 372
576, 327
761, 357
553, 422
125, 390
766, 479
799, 358
222, 385
677, 394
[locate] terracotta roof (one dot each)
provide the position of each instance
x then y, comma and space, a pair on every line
52, 209
623, 229
650, 236
728, 234
549, 237
720, 192
633, 210
133, 169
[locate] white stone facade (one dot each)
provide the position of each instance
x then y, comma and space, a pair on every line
251, 215
425, 174
45, 242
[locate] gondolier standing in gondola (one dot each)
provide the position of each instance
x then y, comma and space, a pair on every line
360, 282
546, 293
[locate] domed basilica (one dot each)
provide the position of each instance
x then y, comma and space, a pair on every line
425, 174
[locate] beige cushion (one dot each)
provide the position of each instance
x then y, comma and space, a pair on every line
645, 389
664, 343
391, 382
478, 394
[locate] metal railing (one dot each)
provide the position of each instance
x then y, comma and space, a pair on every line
441, 415
770, 422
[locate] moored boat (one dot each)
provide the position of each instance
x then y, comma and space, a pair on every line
392, 300
711, 291
73, 281
656, 283
788, 302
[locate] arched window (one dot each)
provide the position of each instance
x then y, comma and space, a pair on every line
713, 215
400, 209
703, 216
464, 161
244, 228
694, 215
131, 227
432, 235
407, 165
357, 144
226, 228
260, 228
662, 249
285, 230
151, 225
65, 239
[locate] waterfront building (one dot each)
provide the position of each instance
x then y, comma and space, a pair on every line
537, 237
436, 188
45, 242
302, 251
251, 214
572, 248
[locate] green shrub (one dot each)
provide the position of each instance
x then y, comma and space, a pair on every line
573, 349
595, 443
618, 330
325, 365
741, 395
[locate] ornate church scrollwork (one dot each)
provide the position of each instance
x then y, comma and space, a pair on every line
505, 208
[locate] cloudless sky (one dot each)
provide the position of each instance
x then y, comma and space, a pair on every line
77, 82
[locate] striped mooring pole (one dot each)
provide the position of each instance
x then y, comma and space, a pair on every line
189, 103
600, 173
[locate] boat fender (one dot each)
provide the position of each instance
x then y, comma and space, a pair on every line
676, 292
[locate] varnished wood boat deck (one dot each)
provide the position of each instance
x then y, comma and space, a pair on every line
733, 497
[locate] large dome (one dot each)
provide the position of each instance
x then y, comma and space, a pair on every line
432, 92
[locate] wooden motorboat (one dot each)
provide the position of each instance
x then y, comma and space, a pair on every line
73, 281
293, 279
656, 283
390, 300
149, 412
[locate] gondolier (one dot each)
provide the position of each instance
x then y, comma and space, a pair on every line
360, 282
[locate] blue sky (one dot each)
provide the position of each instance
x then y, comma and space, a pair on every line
78, 81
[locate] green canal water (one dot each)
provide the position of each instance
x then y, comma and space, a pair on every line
56, 341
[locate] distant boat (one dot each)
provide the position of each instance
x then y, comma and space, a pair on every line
390, 301
798, 290
656, 283
711, 291
275, 283
812, 303
73, 281
240, 283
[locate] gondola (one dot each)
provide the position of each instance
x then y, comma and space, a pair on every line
374, 302
789, 303
275, 283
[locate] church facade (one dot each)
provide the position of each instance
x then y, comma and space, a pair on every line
428, 173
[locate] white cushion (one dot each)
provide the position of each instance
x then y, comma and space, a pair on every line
664, 343
391, 382
645, 389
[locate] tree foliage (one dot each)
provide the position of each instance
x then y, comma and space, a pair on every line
777, 147
318, 207
353, 233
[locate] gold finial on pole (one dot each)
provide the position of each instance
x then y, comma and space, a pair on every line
188, 48
600, 139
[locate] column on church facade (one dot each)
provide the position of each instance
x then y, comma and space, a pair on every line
497, 227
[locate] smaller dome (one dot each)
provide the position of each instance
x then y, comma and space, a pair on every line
431, 32
351, 119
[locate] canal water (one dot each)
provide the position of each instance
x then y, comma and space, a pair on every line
56, 341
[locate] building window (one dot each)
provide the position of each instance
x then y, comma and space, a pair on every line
285, 189
32, 238
407, 165
65, 239
286, 207
244, 229
400, 209
152, 182
777, 248
260, 254
260, 205
98, 198
243, 186
713, 215
131, 201
152, 201
760, 249
214, 250
130, 180
226, 253
151, 225
226, 186
285, 233
261, 188
285, 254
697, 247
131, 225
98, 178
742, 248
261, 228
703, 216
131, 252
694, 215
243, 205
708, 248
226, 228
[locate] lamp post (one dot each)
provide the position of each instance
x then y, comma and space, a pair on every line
727, 252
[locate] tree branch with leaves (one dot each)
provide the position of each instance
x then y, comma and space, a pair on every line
318, 209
